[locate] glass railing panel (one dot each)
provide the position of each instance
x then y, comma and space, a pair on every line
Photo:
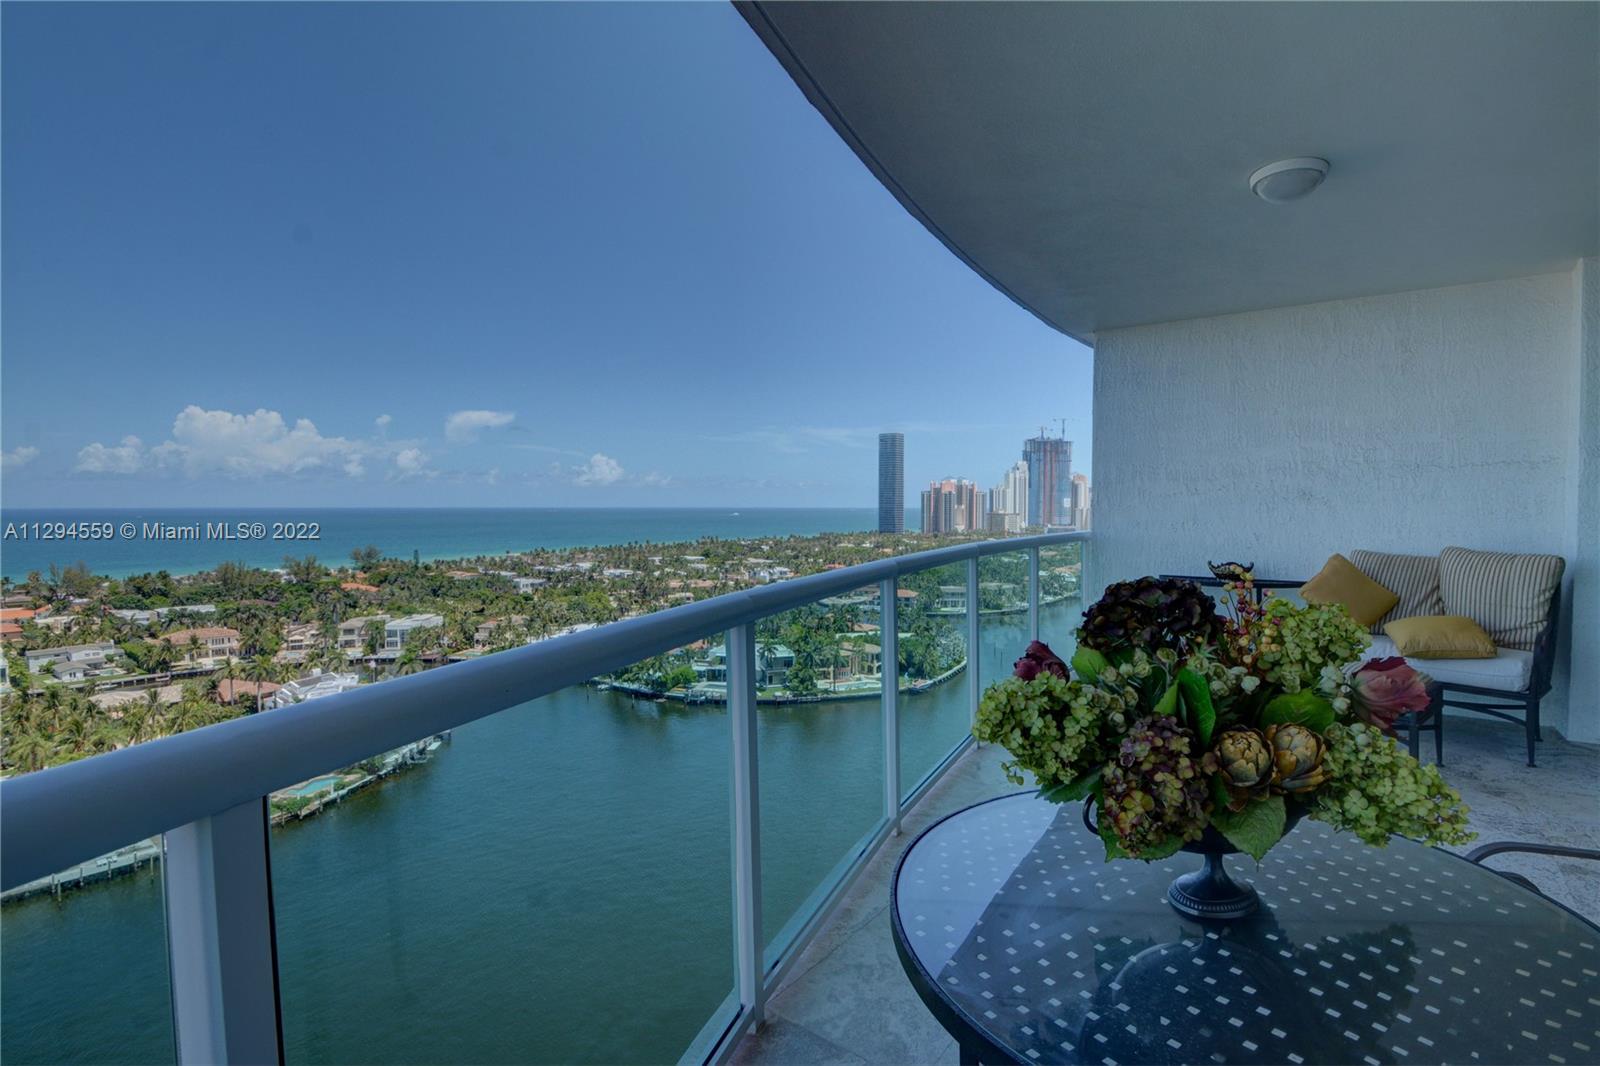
1003, 613
83, 964
820, 749
547, 884
1061, 599
935, 710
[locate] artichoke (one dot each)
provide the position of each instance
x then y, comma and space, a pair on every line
1149, 614
1297, 754
1244, 765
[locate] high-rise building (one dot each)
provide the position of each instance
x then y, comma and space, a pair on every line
891, 482
1010, 497
1080, 501
954, 505
1049, 462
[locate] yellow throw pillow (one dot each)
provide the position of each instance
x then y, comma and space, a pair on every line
1340, 582
1440, 636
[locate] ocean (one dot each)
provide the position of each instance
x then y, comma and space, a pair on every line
431, 533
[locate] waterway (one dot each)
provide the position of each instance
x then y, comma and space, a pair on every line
553, 886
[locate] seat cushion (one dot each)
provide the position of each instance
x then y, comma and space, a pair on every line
1508, 671
1414, 578
1507, 594
1342, 582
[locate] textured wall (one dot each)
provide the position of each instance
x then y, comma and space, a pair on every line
1583, 621
1400, 423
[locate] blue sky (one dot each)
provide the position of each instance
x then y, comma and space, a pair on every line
500, 254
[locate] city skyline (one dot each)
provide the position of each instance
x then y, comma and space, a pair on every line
292, 270
954, 504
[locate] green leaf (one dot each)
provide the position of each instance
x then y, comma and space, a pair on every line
1167, 848
1197, 699
1072, 790
1168, 703
1087, 664
1113, 845
1304, 707
1255, 829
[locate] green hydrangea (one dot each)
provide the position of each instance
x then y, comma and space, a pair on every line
1293, 644
1376, 788
1050, 726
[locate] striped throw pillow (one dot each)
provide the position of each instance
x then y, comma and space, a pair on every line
1507, 594
1414, 578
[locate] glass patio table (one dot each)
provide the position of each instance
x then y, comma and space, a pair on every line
1028, 947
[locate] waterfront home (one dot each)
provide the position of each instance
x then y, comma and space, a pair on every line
528, 584
90, 656
314, 686
353, 631
860, 659
773, 663
204, 644
401, 631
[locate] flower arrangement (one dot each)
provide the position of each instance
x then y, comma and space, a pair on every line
1176, 718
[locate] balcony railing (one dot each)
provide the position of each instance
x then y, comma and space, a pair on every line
206, 792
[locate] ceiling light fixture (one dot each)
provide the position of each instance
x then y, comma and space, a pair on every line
1288, 179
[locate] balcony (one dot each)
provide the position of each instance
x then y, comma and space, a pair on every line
1408, 359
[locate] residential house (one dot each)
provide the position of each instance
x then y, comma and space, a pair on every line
72, 653
215, 642
353, 631
401, 631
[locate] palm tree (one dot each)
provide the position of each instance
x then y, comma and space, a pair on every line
29, 751
261, 669
74, 733
137, 720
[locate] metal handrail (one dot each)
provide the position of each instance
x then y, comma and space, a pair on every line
53, 818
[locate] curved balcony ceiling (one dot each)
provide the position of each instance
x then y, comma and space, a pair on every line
1091, 160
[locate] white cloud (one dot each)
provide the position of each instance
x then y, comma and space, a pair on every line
18, 457
463, 427
655, 479
382, 421
599, 470
256, 444
235, 445
411, 462
125, 458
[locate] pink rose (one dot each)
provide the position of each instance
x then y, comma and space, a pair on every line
1039, 659
1385, 689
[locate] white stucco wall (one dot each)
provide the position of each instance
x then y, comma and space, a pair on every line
1402, 423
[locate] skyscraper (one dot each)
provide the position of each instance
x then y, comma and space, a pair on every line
954, 505
1008, 501
1049, 462
1080, 501
891, 483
